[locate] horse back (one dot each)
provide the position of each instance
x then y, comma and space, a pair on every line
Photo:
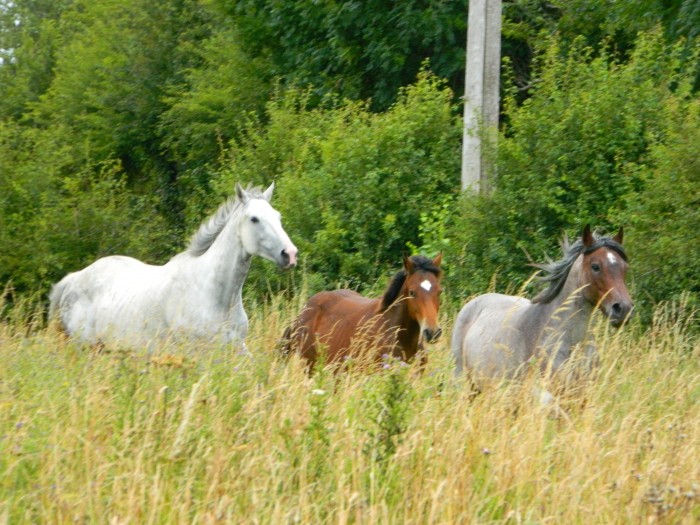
80, 297
488, 336
329, 319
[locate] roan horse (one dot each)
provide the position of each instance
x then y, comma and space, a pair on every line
195, 295
346, 324
495, 336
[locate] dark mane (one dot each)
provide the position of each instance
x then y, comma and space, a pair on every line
420, 264
557, 271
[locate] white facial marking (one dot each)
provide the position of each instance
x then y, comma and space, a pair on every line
611, 258
426, 285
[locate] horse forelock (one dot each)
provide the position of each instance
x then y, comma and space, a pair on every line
425, 264
420, 264
607, 242
210, 229
556, 272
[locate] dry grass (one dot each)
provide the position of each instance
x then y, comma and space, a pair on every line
203, 435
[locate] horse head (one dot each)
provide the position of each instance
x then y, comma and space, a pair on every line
604, 266
421, 291
261, 229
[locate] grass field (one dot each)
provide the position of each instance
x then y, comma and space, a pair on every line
204, 435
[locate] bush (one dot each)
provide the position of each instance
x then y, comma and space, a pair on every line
664, 218
351, 185
53, 223
569, 156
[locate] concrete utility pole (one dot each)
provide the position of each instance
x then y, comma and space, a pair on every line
481, 91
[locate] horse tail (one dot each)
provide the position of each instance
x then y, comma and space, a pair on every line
60, 301
296, 339
284, 345
55, 298
459, 331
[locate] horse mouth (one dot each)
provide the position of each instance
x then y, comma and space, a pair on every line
617, 323
286, 264
432, 336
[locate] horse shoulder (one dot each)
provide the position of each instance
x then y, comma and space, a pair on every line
487, 336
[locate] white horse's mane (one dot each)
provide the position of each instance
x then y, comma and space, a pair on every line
210, 229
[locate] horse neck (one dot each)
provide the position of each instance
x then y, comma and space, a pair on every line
223, 268
396, 319
564, 321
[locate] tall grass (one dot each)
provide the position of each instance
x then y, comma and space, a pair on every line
205, 435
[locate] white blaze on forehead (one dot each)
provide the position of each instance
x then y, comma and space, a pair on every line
426, 285
612, 258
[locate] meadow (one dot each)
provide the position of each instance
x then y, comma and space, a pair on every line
206, 435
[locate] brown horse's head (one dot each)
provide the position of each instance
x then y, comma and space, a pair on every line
418, 286
603, 272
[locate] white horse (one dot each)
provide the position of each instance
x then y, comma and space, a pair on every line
195, 295
496, 336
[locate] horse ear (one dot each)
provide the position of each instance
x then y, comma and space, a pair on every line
407, 264
619, 236
267, 194
242, 194
438, 260
587, 236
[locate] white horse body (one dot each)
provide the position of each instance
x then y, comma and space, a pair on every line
195, 295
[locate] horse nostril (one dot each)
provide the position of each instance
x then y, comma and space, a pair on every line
432, 335
620, 312
289, 256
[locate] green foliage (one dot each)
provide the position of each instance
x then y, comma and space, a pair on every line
80, 99
567, 157
664, 218
360, 50
598, 19
352, 185
434, 227
52, 224
123, 123
213, 101
387, 410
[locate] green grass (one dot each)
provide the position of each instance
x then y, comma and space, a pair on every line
204, 435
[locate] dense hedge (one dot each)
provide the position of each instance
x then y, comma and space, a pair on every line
599, 142
352, 184
600, 139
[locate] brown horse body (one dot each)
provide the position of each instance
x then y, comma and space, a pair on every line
345, 324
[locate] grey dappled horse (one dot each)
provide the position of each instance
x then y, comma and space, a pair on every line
496, 335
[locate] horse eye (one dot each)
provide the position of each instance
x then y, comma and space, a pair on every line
412, 293
254, 220
595, 267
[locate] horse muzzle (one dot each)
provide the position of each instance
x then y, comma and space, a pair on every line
619, 312
431, 336
288, 257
